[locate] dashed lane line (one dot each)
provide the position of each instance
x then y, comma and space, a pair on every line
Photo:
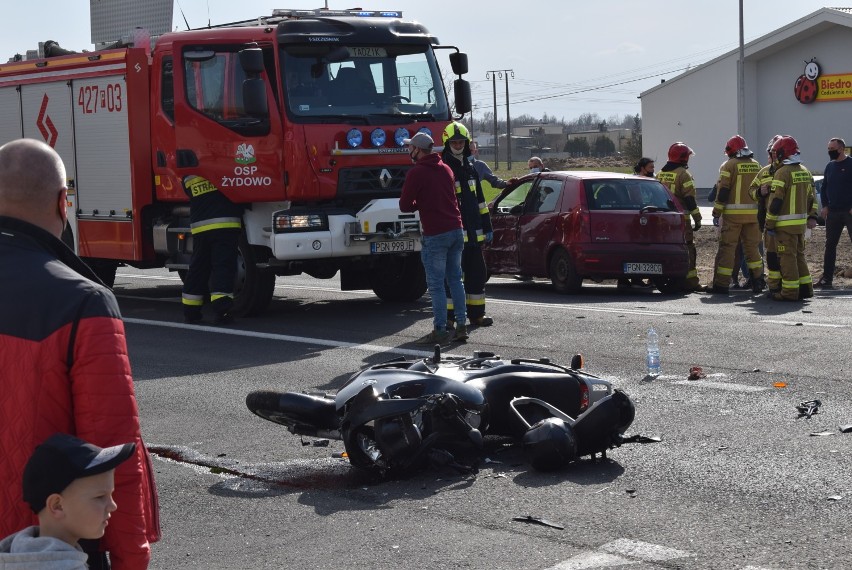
804, 324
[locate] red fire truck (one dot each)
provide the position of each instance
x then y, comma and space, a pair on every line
300, 116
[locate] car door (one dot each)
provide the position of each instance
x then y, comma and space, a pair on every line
501, 255
537, 225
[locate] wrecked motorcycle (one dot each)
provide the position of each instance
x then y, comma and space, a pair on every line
398, 415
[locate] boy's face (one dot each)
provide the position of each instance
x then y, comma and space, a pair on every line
86, 504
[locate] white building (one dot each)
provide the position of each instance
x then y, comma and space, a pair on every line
699, 107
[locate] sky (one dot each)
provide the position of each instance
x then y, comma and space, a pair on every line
564, 58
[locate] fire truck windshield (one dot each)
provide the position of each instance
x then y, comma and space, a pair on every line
382, 84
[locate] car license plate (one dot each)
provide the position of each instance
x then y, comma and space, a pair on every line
392, 246
646, 268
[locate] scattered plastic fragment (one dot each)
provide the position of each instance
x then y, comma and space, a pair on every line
339, 454
809, 408
756, 370
822, 433
845, 429
696, 373
834, 498
690, 313
320, 443
642, 439
779, 385
529, 519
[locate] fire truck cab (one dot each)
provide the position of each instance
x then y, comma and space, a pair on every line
299, 116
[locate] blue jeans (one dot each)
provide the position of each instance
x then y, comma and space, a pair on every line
442, 255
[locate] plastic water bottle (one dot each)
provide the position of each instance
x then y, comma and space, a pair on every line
652, 358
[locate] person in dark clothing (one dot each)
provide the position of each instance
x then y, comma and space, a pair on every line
475, 218
836, 195
645, 167
535, 164
216, 224
484, 171
428, 189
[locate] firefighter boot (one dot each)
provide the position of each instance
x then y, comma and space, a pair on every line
758, 284
192, 315
806, 291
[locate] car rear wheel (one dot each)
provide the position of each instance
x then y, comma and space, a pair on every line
669, 285
563, 274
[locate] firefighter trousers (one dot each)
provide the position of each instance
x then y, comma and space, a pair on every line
212, 270
474, 274
796, 281
729, 238
773, 266
691, 274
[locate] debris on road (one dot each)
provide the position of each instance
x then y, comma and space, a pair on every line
641, 439
529, 519
696, 373
809, 408
822, 433
845, 428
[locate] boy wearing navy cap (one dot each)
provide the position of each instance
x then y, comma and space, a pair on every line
68, 483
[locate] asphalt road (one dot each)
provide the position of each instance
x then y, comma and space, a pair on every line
736, 482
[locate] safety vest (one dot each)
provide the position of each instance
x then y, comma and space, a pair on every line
792, 200
680, 183
736, 174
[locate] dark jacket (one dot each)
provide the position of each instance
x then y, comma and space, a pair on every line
209, 209
428, 189
64, 368
836, 191
474, 209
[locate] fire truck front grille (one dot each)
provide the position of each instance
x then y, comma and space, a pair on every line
372, 182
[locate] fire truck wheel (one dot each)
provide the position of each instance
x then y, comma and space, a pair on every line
254, 287
399, 279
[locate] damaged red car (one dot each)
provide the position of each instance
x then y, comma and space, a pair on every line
578, 225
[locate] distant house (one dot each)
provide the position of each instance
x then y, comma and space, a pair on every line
699, 106
619, 137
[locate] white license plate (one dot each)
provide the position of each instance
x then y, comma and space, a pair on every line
393, 246
646, 268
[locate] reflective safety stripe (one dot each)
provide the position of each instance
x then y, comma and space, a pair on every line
192, 300
483, 206
789, 284
450, 305
215, 224
692, 273
806, 280
478, 300
787, 223
484, 210
741, 207
792, 217
774, 274
754, 264
216, 296
725, 271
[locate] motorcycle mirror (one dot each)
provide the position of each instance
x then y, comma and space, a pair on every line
436, 358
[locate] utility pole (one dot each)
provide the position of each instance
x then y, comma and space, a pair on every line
493, 75
741, 79
509, 121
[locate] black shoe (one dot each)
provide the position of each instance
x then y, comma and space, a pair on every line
758, 284
223, 319
483, 321
824, 284
719, 290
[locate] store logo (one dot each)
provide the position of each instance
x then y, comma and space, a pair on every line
806, 85
45, 125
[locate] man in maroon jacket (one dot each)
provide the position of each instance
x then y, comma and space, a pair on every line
430, 189
63, 357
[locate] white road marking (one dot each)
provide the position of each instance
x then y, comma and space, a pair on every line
643, 550
592, 560
730, 386
373, 348
621, 552
804, 324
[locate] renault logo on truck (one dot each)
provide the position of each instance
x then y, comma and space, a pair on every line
385, 178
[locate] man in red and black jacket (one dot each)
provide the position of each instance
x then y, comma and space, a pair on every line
64, 366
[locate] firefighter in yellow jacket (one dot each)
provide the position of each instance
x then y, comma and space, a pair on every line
738, 211
675, 176
761, 192
791, 209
